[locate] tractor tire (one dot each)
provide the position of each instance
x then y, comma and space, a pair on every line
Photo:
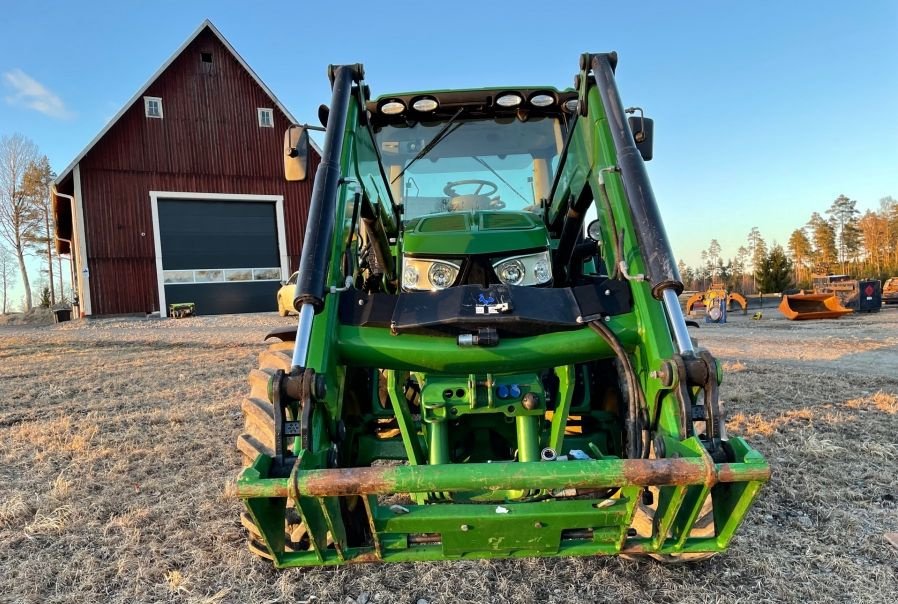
282, 310
258, 437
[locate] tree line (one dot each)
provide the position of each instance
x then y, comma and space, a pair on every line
26, 226
839, 241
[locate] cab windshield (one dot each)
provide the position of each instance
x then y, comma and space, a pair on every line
470, 164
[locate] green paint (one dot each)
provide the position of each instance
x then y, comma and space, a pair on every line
396, 391
458, 436
565, 376
462, 234
528, 437
377, 347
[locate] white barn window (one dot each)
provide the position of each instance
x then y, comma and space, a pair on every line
266, 118
152, 106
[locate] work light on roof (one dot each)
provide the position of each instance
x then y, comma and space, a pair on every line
509, 100
542, 100
392, 107
425, 104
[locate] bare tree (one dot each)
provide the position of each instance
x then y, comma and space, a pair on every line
36, 186
18, 218
7, 274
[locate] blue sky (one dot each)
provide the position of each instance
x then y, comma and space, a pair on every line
764, 111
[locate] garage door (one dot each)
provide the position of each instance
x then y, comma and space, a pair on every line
220, 255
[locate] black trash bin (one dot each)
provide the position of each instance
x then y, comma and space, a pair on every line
62, 314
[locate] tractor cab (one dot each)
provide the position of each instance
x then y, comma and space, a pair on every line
471, 174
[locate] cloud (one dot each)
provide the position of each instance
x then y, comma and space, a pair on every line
28, 92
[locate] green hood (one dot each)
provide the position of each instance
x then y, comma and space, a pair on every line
476, 232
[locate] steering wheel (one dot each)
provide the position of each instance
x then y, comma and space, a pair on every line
449, 189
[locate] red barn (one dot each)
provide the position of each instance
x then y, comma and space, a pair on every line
182, 197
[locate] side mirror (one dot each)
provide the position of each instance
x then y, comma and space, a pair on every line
296, 153
643, 129
323, 113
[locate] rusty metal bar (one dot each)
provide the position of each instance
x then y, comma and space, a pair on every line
606, 473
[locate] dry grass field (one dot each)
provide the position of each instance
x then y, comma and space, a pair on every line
117, 449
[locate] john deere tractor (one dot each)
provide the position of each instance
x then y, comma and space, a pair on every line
476, 371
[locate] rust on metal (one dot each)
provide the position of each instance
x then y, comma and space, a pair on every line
664, 472
578, 474
344, 481
581, 475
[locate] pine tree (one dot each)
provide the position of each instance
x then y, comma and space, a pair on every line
801, 250
757, 251
824, 237
844, 216
775, 272
739, 266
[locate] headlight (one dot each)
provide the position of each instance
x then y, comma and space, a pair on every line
427, 275
511, 272
542, 100
425, 104
509, 100
392, 107
532, 269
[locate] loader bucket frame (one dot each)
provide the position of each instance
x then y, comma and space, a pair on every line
581, 527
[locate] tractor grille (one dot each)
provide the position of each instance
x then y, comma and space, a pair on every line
457, 222
504, 220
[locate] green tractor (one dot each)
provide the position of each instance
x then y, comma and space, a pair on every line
477, 372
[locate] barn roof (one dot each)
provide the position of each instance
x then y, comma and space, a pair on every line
203, 26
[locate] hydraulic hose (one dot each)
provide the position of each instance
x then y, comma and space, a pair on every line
635, 395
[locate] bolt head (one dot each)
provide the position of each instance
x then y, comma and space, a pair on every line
465, 528
538, 525
530, 401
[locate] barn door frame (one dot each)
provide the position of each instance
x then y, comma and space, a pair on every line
156, 196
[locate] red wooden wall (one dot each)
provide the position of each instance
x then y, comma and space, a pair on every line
209, 140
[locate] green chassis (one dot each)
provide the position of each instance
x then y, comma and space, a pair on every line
476, 509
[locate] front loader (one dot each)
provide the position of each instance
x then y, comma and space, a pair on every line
477, 372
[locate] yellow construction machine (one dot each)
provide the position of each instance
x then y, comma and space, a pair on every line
716, 302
